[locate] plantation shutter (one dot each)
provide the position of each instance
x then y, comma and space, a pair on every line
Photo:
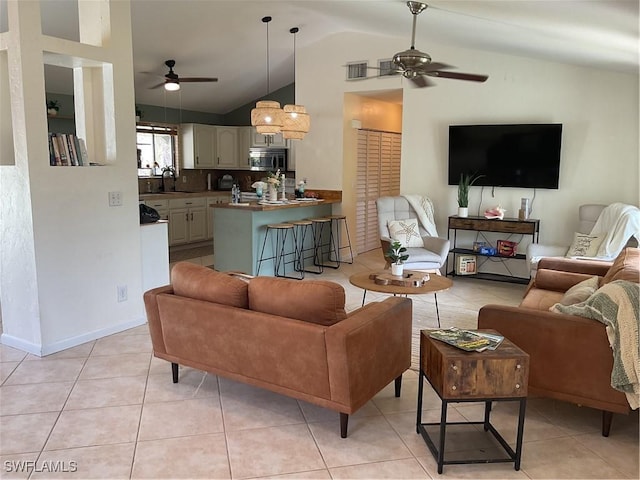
378, 175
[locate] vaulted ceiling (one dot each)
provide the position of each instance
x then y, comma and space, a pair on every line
226, 39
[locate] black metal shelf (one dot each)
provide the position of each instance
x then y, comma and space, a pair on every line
467, 251
496, 277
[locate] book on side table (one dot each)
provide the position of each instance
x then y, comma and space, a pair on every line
468, 340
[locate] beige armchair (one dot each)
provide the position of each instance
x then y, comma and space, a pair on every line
431, 256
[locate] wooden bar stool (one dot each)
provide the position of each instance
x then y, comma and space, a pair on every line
335, 241
278, 233
301, 229
322, 247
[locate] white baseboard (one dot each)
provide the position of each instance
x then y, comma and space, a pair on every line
43, 350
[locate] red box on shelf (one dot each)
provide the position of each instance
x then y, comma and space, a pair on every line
507, 248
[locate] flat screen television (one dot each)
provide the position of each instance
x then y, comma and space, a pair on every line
522, 155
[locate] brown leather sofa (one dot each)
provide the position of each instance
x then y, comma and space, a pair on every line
290, 337
571, 359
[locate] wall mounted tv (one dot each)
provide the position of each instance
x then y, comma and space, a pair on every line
522, 155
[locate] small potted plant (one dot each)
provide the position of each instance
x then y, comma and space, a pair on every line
138, 113
398, 257
52, 107
466, 180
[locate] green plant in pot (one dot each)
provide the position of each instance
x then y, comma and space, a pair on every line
53, 106
466, 180
396, 254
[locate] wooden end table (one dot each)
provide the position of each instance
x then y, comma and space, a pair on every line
435, 284
459, 376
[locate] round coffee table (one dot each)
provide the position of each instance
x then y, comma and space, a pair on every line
435, 284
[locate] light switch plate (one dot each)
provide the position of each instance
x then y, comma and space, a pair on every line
115, 199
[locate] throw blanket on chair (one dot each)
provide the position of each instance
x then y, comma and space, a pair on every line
424, 209
616, 305
618, 222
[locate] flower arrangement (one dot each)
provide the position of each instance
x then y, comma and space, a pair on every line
273, 179
396, 253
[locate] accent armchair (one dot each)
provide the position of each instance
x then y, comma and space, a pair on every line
432, 255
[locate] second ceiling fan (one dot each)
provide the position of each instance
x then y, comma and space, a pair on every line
417, 66
172, 80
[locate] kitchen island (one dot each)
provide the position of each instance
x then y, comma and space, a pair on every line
239, 230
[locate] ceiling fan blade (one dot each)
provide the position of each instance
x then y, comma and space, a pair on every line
421, 81
472, 77
430, 67
157, 86
198, 79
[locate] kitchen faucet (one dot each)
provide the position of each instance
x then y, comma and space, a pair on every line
172, 174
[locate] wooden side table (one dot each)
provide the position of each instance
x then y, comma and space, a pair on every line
459, 376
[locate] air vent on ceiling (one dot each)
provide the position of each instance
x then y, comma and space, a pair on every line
386, 68
356, 70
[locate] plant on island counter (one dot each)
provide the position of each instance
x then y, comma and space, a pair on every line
274, 179
396, 253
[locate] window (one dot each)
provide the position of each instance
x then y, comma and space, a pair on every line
157, 146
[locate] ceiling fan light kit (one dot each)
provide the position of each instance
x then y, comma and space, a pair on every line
171, 85
172, 79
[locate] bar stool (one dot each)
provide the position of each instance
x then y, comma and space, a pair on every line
322, 249
278, 246
336, 242
301, 229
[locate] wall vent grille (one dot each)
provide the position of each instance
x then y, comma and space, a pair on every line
386, 67
356, 70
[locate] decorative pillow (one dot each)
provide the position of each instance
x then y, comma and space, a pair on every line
406, 232
580, 292
585, 245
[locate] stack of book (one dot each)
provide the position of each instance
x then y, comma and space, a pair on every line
66, 149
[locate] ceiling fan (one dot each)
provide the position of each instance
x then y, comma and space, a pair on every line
416, 65
172, 80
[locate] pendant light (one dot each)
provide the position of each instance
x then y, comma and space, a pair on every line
296, 120
267, 115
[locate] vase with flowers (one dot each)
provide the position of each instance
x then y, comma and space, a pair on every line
273, 183
396, 254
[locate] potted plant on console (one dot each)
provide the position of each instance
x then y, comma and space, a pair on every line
398, 257
466, 180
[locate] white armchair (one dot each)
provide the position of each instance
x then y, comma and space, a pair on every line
588, 215
431, 256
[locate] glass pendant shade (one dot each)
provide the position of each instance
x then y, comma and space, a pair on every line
296, 122
171, 86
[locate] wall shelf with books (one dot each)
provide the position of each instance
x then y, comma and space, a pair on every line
67, 150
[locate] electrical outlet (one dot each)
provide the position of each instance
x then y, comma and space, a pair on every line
122, 293
115, 199
184, 179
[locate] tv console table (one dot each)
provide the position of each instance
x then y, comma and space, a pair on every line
482, 224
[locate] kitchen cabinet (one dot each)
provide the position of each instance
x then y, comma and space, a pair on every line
245, 135
227, 148
162, 206
187, 220
210, 211
259, 140
198, 145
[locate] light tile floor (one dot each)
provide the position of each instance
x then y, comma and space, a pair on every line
109, 410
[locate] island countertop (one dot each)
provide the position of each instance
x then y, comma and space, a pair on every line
257, 207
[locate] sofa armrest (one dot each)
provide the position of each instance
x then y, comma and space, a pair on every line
570, 356
437, 245
153, 316
589, 267
368, 350
557, 280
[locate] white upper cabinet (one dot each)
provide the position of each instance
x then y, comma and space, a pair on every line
227, 145
198, 145
259, 140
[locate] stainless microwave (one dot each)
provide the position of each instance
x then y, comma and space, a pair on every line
268, 159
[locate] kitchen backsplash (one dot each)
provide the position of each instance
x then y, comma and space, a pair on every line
196, 180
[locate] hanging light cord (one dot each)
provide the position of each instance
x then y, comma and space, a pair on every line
267, 20
294, 30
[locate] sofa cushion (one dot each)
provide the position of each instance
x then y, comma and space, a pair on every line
202, 283
625, 267
538, 299
580, 291
315, 301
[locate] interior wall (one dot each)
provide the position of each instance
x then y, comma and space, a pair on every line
599, 111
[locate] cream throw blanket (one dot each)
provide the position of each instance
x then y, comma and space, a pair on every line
424, 209
616, 305
618, 222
